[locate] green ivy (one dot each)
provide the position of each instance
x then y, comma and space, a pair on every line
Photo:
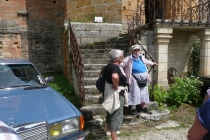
194, 64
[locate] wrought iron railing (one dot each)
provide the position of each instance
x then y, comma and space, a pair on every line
78, 65
190, 12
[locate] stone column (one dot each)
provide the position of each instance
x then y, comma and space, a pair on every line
204, 52
162, 37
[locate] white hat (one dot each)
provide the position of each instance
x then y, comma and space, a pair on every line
135, 47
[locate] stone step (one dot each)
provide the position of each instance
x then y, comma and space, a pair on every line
90, 80
121, 41
96, 61
91, 73
91, 89
97, 109
94, 98
97, 46
94, 66
158, 115
95, 55
95, 51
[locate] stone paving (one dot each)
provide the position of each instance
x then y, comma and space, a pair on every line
168, 130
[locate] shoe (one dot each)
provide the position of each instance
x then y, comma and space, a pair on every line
109, 133
135, 113
145, 110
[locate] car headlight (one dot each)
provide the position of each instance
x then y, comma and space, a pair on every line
66, 127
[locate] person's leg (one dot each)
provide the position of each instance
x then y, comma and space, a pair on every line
143, 105
144, 108
116, 119
108, 123
134, 111
133, 108
113, 135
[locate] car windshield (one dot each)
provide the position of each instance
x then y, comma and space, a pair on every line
19, 75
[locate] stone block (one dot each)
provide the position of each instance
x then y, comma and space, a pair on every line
100, 8
162, 49
82, 3
92, 34
113, 27
96, 2
114, 7
85, 41
162, 75
78, 26
163, 66
94, 27
110, 1
166, 30
89, 9
71, 5
162, 58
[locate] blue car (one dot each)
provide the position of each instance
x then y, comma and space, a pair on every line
33, 109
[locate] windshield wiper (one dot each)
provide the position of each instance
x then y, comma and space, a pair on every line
35, 87
14, 86
21, 86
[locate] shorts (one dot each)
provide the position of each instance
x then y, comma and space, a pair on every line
115, 120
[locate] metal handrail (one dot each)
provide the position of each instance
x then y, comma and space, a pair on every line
77, 62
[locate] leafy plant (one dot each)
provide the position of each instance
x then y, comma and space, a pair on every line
184, 91
194, 64
160, 95
61, 85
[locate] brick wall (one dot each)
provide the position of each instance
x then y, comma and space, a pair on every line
31, 29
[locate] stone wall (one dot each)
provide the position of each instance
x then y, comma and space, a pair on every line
179, 49
90, 33
112, 11
32, 30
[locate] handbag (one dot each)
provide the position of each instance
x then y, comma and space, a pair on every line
100, 82
141, 84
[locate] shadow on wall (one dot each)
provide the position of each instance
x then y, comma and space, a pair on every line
172, 72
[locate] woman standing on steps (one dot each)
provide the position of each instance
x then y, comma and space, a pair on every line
135, 69
114, 92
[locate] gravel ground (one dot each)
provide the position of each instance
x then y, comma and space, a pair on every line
175, 134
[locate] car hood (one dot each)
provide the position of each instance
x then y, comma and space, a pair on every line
21, 106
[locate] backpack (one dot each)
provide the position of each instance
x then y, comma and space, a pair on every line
100, 83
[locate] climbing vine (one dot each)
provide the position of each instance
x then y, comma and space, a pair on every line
194, 59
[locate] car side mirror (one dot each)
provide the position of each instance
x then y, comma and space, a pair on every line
49, 79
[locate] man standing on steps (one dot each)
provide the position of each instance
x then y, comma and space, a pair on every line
137, 77
115, 93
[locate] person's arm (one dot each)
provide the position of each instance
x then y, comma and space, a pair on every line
115, 80
148, 62
200, 126
197, 131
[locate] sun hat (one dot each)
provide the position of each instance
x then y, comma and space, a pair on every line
135, 47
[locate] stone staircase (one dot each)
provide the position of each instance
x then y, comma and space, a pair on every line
95, 57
